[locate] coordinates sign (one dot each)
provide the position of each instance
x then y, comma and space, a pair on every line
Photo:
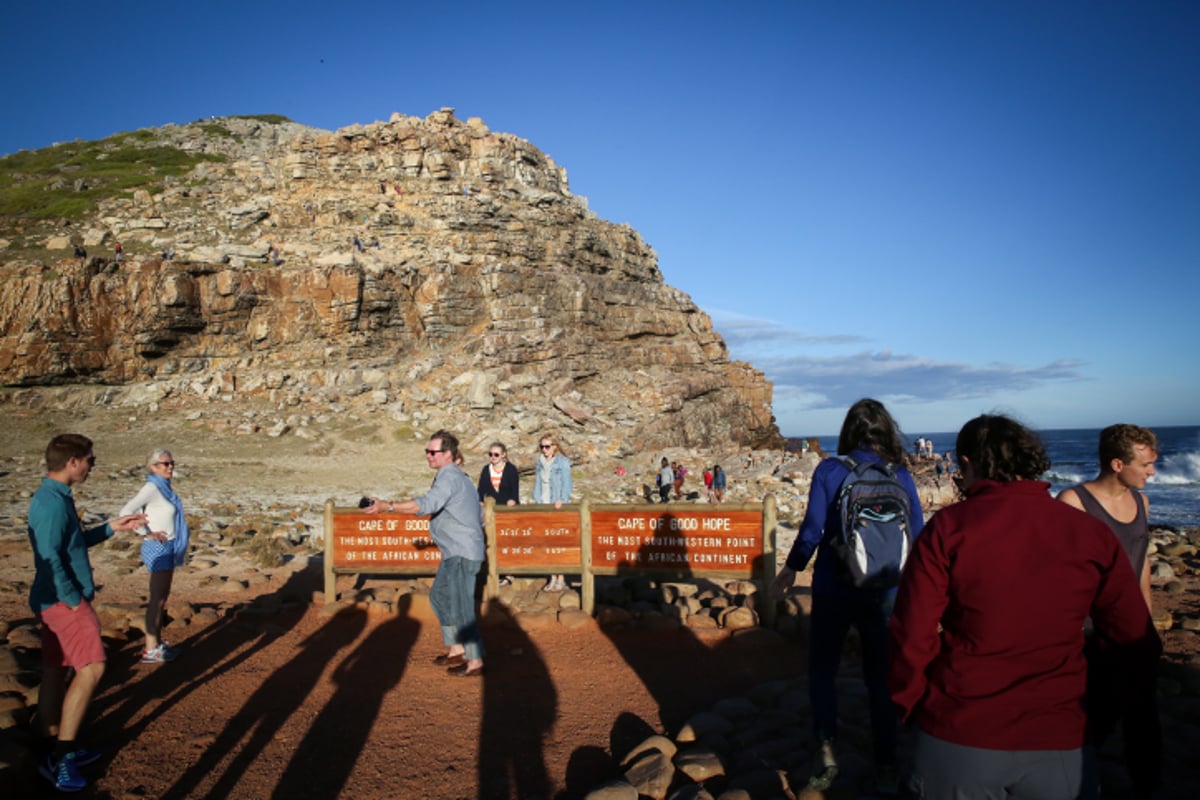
537, 539
364, 541
692, 541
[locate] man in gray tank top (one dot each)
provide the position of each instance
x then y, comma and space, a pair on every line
1127, 455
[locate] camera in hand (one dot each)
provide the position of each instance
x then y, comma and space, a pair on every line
364, 502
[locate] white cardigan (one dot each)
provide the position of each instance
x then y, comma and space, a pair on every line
159, 510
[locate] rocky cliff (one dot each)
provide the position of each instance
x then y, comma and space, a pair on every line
428, 269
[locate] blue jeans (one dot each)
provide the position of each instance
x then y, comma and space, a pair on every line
453, 599
832, 616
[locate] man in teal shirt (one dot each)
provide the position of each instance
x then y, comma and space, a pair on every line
61, 596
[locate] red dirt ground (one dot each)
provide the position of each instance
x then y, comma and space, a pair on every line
294, 703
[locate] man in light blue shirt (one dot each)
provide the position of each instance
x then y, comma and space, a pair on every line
456, 526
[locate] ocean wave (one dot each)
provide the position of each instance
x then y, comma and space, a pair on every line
1067, 477
1180, 469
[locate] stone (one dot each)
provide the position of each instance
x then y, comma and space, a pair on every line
1161, 572
655, 743
651, 775
699, 764
613, 790
738, 618
1177, 548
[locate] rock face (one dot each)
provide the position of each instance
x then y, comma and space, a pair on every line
429, 268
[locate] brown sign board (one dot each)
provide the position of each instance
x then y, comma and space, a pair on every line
384, 542
696, 542
546, 540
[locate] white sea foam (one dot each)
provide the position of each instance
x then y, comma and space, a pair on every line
1180, 469
1065, 476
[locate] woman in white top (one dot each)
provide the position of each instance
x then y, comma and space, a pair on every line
164, 546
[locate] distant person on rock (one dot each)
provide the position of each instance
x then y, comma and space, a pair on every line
118, 251
61, 597
1127, 456
456, 527
718, 484
665, 479
552, 484
987, 632
164, 546
680, 475
869, 434
708, 478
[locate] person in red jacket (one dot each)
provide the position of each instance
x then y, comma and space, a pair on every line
987, 632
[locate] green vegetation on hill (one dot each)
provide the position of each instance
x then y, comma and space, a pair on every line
67, 180
273, 119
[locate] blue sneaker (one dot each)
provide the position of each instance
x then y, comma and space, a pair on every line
87, 755
64, 775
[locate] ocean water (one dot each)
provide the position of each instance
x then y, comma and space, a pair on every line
1174, 492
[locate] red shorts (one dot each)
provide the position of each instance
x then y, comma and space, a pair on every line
71, 636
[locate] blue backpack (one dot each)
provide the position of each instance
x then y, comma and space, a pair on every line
876, 536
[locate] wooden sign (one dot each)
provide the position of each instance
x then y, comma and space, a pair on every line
696, 542
366, 542
544, 540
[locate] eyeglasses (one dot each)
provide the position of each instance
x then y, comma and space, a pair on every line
496, 455
547, 446
166, 463
429, 452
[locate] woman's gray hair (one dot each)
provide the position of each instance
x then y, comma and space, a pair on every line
156, 455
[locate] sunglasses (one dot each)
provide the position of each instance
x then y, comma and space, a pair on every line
496, 455
547, 446
91, 461
429, 452
166, 463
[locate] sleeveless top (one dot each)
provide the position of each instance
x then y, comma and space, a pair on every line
1134, 535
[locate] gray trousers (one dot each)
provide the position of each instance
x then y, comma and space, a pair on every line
946, 771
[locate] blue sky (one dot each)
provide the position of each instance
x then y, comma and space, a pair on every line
953, 207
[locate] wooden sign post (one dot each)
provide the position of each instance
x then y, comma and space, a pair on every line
683, 541
386, 544
677, 541
532, 540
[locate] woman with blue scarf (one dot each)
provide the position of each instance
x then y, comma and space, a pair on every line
164, 546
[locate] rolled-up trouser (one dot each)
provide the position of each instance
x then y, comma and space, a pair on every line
453, 598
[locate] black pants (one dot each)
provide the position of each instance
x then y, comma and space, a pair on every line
1114, 695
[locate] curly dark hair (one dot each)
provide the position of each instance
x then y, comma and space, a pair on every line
1118, 441
1002, 449
869, 426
